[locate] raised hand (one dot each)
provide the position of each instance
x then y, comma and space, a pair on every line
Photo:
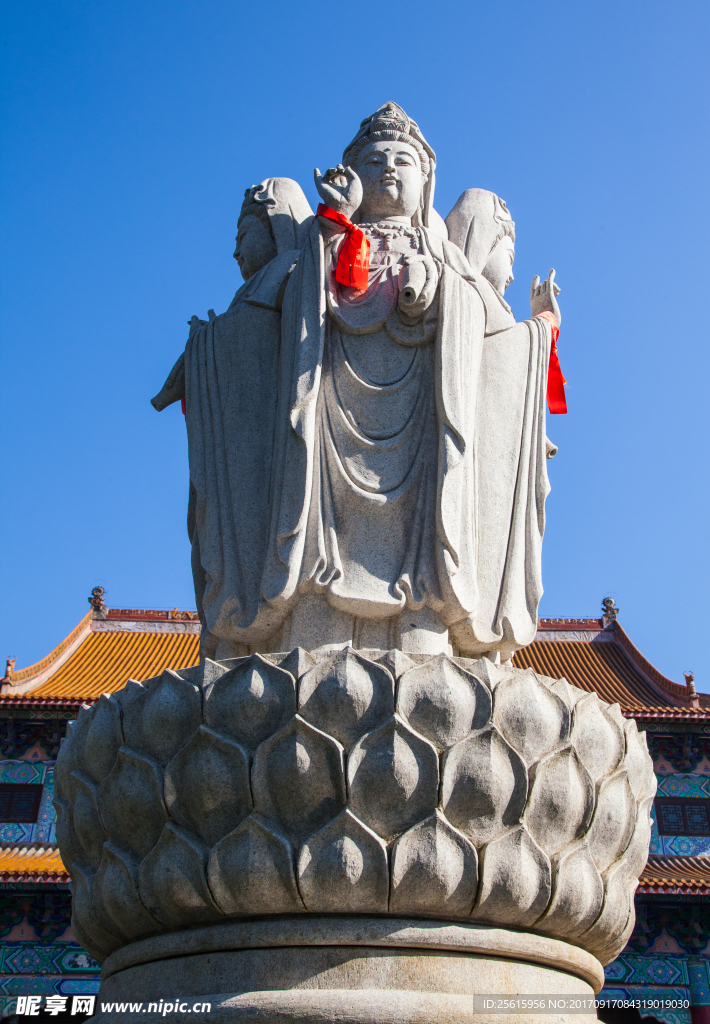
543, 297
340, 189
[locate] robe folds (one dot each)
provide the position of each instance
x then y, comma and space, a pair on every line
420, 483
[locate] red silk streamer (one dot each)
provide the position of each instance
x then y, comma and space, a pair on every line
556, 399
354, 260
183, 403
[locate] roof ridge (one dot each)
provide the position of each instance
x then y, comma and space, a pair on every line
657, 680
31, 671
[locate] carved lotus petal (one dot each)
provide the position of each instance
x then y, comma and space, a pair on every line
128, 694
343, 869
95, 939
251, 702
346, 696
160, 721
613, 821
87, 823
131, 803
250, 871
611, 931
515, 881
484, 787
114, 899
298, 779
82, 725
490, 674
561, 801
103, 738
434, 871
532, 718
443, 702
67, 838
636, 853
297, 661
577, 893
66, 763
207, 786
608, 933
172, 880
395, 662
393, 779
571, 695
642, 778
596, 737
207, 671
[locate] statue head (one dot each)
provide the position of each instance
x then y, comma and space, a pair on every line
395, 164
481, 225
275, 217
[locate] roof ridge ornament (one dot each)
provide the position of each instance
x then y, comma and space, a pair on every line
96, 600
693, 698
609, 612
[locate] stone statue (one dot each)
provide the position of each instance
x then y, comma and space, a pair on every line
355, 808
379, 478
228, 378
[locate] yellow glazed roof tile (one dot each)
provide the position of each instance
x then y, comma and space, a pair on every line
106, 661
31, 861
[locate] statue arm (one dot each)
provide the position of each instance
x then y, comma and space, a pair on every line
174, 387
173, 390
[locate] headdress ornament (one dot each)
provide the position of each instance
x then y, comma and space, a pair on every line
390, 118
390, 122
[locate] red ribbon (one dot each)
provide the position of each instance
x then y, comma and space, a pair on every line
354, 259
556, 399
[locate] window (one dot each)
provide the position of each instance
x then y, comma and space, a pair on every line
19, 803
683, 817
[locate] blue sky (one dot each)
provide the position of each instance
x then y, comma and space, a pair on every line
129, 133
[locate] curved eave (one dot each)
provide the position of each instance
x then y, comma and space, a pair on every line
606, 662
32, 864
675, 876
110, 653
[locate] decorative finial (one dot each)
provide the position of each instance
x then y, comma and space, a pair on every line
609, 612
96, 600
9, 670
693, 698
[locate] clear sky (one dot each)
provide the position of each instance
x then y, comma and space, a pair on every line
130, 131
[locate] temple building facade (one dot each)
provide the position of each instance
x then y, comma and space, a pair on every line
668, 954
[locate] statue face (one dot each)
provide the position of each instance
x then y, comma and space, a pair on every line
391, 177
499, 268
255, 246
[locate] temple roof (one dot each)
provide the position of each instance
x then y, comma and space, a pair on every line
113, 645
32, 864
686, 876
102, 654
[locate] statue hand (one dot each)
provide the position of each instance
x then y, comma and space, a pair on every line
543, 297
340, 189
418, 281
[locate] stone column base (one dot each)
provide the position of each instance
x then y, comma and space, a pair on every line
349, 970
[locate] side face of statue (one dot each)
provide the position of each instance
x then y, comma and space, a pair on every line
355, 451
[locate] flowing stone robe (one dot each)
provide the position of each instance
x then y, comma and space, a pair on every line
387, 466
231, 372
423, 489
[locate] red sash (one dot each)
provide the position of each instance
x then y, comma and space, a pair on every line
556, 399
354, 259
